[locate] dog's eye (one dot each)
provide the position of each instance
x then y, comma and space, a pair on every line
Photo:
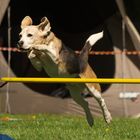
29, 35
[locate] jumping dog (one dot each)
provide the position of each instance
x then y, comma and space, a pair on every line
48, 52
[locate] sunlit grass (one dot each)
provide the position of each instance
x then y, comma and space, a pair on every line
64, 127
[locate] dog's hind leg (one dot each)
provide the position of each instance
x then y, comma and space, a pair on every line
94, 89
97, 95
75, 92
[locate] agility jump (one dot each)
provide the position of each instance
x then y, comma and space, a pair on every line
71, 80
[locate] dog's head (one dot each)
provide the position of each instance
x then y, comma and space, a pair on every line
33, 34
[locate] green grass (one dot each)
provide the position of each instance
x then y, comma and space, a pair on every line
58, 127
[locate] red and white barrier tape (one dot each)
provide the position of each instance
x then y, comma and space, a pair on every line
91, 53
9, 49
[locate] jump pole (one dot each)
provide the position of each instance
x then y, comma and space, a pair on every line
70, 80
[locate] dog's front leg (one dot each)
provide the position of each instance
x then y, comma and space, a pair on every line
44, 47
40, 47
50, 50
35, 60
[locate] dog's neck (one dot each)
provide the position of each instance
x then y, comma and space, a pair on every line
56, 41
49, 38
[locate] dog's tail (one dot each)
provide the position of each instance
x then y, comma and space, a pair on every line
83, 57
94, 38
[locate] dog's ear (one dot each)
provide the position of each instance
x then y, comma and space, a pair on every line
26, 22
44, 25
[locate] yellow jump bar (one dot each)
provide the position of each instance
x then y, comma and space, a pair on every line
70, 80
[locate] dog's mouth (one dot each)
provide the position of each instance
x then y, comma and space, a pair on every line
20, 49
23, 50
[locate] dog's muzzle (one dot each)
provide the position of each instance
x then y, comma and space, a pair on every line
20, 47
20, 43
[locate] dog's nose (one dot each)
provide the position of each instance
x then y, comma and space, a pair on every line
20, 43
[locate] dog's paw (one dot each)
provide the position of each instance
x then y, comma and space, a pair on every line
31, 55
108, 118
90, 119
90, 122
35, 47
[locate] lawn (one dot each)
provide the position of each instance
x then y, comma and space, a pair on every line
64, 127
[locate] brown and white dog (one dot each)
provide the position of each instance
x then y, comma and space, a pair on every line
48, 52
